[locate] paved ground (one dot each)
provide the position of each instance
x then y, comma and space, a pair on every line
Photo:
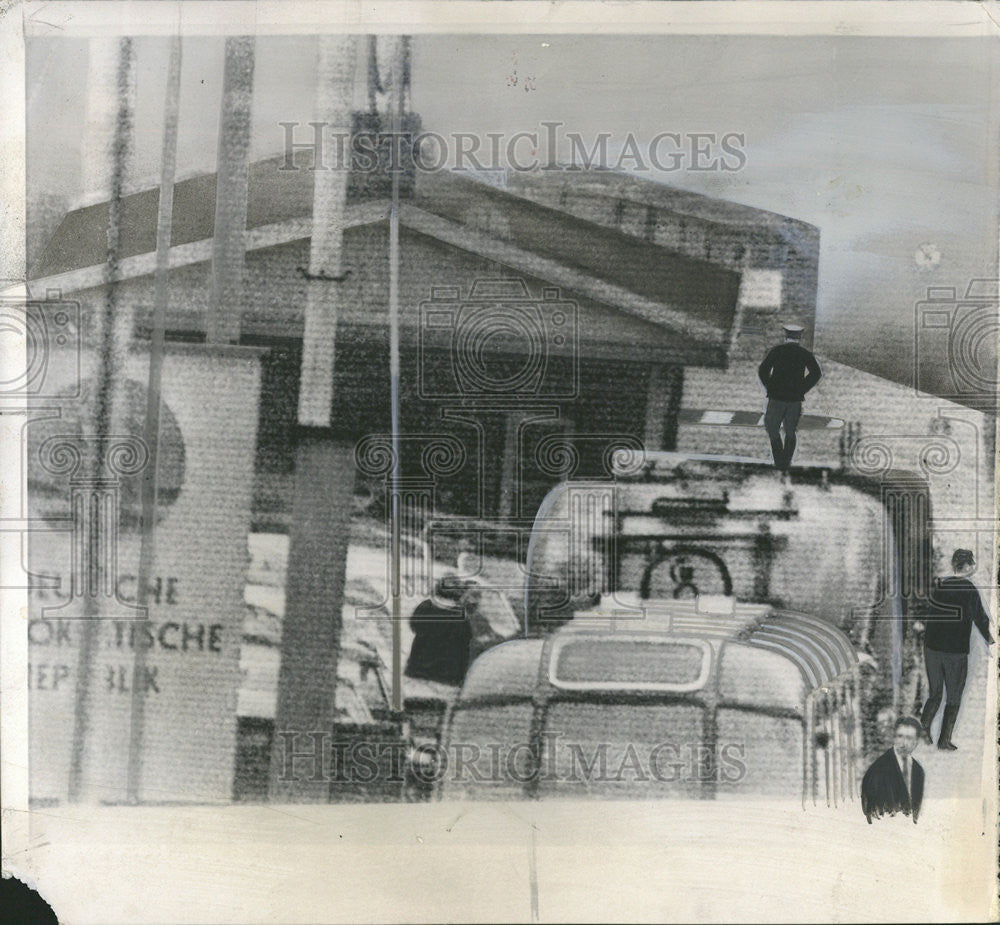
656, 861
960, 773
663, 861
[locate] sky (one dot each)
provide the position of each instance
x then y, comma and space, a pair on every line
889, 146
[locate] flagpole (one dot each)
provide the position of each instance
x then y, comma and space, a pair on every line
151, 430
114, 332
396, 112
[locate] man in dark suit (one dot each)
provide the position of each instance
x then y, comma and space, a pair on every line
788, 372
895, 782
946, 643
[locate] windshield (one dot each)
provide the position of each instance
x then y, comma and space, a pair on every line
624, 748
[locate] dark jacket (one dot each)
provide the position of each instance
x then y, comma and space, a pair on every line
883, 789
960, 606
441, 640
788, 372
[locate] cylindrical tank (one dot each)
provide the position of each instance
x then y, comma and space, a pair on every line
829, 543
836, 545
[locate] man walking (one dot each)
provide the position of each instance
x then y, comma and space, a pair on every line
788, 372
946, 644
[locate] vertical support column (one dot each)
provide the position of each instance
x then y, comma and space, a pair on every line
154, 383
232, 175
395, 122
310, 636
100, 113
763, 559
663, 403
656, 400
324, 485
333, 108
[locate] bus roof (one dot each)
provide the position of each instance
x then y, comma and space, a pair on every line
656, 650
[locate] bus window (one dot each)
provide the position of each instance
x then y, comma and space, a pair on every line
631, 662
759, 678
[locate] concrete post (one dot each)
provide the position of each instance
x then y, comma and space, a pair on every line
232, 175
324, 485
310, 636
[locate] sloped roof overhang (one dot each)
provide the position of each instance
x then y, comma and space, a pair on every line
678, 294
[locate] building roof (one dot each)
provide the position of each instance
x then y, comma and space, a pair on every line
612, 186
276, 194
669, 257
80, 241
704, 291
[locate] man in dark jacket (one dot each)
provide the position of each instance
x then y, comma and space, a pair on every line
462, 620
788, 372
895, 782
441, 636
946, 643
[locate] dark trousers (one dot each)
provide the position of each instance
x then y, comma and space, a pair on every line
778, 413
946, 671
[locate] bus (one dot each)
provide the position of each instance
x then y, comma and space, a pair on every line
709, 605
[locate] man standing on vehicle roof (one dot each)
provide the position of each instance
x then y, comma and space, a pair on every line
788, 372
